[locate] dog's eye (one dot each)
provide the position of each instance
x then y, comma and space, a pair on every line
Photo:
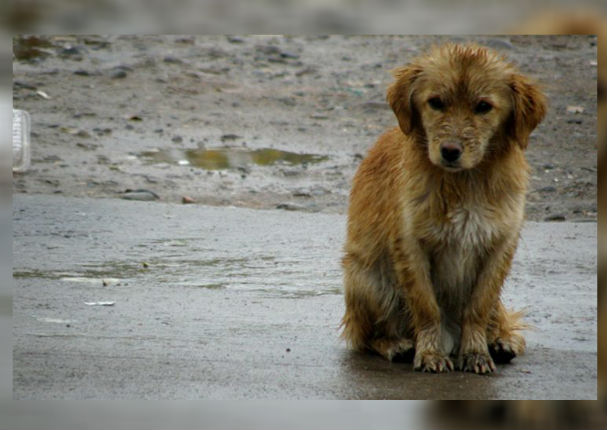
482, 107
436, 103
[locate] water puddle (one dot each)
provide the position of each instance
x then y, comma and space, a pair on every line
227, 157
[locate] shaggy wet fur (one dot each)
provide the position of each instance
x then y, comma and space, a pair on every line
435, 213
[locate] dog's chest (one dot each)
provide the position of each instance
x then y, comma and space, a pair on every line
457, 245
465, 227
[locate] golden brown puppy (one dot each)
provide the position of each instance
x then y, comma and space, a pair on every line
435, 213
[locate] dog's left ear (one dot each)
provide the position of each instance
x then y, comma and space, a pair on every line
400, 97
528, 109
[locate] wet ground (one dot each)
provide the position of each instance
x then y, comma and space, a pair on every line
214, 118
123, 299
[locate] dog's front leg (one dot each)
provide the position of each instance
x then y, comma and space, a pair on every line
474, 353
413, 269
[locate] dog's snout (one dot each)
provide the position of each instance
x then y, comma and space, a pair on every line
451, 152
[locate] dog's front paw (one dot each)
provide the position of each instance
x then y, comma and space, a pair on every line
480, 363
432, 362
503, 350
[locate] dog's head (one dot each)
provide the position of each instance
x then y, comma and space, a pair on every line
464, 102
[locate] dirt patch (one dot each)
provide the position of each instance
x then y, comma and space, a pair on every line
112, 99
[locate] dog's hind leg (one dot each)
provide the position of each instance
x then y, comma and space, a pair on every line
503, 334
375, 318
359, 319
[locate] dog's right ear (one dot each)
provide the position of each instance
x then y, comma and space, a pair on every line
400, 97
529, 108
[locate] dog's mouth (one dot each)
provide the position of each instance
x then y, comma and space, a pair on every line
451, 166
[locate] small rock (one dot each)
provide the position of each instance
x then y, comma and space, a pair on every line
172, 60
81, 72
140, 194
575, 109
555, 217
88, 147
289, 207
302, 193
229, 136
305, 71
118, 74
187, 200
102, 131
186, 40
548, 189
51, 159
177, 139
24, 85
69, 51
102, 159
96, 42
287, 54
235, 39
83, 134
548, 166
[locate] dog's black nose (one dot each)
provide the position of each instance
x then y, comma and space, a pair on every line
450, 152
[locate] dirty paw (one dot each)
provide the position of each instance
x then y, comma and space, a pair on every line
404, 356
501, 352
504, 350
432, 362
477, 363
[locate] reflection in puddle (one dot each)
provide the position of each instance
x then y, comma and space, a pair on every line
183, 263
225, 158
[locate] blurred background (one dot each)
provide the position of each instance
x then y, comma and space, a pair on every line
337, 16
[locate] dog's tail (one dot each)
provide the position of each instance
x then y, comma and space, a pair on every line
515, 322
507, 324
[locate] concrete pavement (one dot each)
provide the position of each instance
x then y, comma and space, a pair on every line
232, 303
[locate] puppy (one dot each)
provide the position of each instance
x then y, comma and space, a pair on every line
435, 213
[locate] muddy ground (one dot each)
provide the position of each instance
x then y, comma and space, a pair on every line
266, 121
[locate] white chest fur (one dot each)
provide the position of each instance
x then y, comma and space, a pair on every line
456, 246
